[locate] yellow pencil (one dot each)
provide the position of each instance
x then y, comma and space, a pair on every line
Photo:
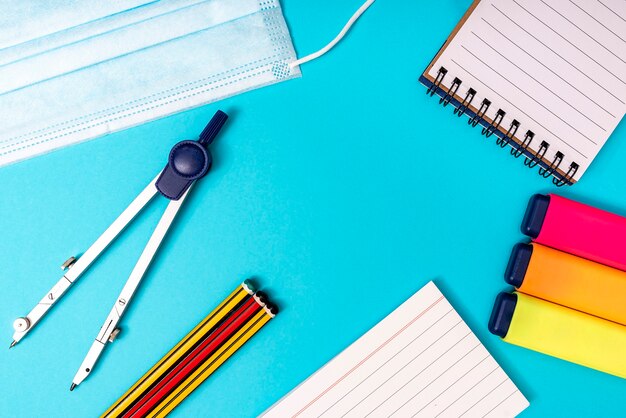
179, 351
212, 363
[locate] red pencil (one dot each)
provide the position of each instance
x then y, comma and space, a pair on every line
195, 358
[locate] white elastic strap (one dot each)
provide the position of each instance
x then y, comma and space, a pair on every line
338, 38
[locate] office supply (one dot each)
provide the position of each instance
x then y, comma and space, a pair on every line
577, 229
196, 357
421, 360
560, 332
546, 77
188, 162
568, 280
223, 354
72, 72
211, 364
182, 349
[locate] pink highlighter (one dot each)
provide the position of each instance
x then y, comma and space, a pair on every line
577, 229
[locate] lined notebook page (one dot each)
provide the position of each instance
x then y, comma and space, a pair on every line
422, 360
557, 66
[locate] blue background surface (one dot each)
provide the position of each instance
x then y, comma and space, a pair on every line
343, 192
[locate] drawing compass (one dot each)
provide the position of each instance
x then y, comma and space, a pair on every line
188, 162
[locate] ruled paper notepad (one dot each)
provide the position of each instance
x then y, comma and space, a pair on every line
557, 67
422, 360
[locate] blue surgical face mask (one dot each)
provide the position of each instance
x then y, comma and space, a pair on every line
72, 70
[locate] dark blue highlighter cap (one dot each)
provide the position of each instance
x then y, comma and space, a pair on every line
502, 314
535, 215
518, 264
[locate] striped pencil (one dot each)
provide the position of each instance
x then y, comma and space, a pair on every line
194, 359
216, 360
197, 356
184, 347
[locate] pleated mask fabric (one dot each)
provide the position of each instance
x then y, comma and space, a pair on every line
73, 70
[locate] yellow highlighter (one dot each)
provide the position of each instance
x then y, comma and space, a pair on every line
560, 332
568, 280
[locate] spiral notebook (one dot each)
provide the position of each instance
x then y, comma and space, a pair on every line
420, 361
545, 77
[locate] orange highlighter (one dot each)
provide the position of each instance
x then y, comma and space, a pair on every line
568, 280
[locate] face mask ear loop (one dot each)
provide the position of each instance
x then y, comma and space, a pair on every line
338, 38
